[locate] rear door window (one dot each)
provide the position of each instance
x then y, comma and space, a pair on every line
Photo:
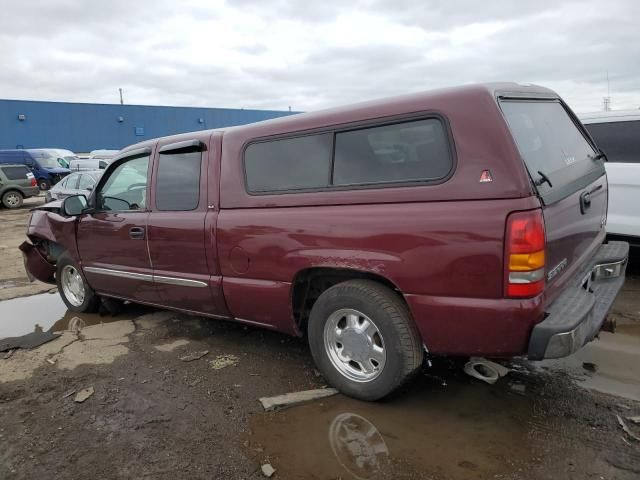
15, 173
178, 183
551, 146
620, 141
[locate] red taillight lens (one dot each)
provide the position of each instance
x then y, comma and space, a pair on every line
524, 254
33, 182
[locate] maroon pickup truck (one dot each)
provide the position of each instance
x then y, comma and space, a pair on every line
465, 221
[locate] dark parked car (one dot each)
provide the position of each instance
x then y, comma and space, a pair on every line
16, 183
74, 184
43, 164
466, 221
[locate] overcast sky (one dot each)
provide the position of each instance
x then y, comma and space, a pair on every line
271, 54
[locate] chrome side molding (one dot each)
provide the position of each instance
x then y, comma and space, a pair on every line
183, 282
119, 273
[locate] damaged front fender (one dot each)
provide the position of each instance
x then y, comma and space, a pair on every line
36, 266
51, 235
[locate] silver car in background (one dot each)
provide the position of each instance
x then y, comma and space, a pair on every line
74, 184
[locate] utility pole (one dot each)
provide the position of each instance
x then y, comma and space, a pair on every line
606, 101
121, 101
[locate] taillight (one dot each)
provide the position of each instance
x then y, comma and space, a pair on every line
524, 254
34, 183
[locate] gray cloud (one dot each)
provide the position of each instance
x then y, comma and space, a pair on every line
254, 54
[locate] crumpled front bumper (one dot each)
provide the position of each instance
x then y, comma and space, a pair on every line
576, 316
36, 266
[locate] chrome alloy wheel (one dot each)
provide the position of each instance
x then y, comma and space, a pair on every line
12, 199
72, 285
354, 345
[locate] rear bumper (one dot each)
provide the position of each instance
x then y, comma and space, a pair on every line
576, 316
31, 191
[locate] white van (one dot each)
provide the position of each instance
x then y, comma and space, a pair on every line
86, 164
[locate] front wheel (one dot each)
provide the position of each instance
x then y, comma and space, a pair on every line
363, 339
73, 288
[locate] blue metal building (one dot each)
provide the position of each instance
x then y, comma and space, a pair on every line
83, 127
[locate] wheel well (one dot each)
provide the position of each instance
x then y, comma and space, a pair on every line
12, 190
309, 284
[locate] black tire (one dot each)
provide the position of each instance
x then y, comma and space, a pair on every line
402, 343
12, 199
44, 184
90, 302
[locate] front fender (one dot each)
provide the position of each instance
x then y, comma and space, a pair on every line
36, 266
55, 228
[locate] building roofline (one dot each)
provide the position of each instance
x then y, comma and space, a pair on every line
141, 105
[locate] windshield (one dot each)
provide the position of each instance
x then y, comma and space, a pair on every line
47, 160
555, 151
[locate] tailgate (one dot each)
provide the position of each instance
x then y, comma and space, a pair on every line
570, 180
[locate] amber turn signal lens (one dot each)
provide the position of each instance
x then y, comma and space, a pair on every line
523, 262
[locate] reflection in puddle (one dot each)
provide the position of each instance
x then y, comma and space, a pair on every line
357, 445
23, 315
464, 430
47, 312
459, 429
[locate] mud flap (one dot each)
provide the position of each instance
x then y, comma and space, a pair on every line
36, 266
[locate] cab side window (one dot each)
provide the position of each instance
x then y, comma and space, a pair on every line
178, 181
126, 187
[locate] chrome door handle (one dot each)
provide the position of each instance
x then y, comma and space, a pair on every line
136, 233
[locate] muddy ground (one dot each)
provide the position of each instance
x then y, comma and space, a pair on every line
13, 225
153, 415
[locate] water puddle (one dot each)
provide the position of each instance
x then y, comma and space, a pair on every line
462, 430
610, 364
47, 312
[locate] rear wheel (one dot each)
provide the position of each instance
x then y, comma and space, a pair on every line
12, 199
44, 184
363, 339
73, 288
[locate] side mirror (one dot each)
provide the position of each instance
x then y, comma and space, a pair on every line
74, 205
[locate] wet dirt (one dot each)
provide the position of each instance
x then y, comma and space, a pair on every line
153, 415
13, 225
610, 364
462, 430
